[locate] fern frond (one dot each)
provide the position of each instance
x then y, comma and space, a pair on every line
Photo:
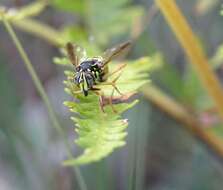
100, 132
132, 77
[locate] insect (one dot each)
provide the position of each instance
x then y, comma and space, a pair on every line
90, 71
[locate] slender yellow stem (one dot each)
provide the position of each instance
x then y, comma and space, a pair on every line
192, 48
179, 113
40, 89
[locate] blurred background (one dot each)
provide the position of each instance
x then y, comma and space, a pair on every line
161, 154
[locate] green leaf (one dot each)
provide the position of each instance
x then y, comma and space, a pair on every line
73, 6
115, 18
101, 132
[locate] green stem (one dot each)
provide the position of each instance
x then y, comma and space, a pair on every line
44, 96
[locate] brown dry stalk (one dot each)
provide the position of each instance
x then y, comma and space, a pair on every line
176, 111
193, 49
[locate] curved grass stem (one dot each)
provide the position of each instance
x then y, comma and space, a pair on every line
193, 50
40, 30
40, 89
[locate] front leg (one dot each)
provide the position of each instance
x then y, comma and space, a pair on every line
97, 91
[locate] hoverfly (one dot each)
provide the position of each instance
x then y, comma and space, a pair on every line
90, 71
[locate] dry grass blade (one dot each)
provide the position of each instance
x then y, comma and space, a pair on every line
175, 110
192, 48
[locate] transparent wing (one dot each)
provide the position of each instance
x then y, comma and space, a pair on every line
110, 54
75, 53
80, 52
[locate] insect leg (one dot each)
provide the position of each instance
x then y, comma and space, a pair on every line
120, 67
101, 99
101, 103
110, 101
112, 83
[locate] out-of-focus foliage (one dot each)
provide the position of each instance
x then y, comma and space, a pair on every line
204, 6
222, 10
108, 19
77, 6
217, 59
178, 84
105, 19
80, 36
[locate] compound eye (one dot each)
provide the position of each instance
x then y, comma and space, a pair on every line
99, 63
95, 60
78, 69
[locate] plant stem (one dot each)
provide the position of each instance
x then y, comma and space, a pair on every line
193, 50
175, 110
29, 10
40, 30
44, 96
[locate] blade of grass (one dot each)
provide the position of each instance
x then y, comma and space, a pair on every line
132, 162
193, 50
176, 111
43, 95
137, 141
141, 142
